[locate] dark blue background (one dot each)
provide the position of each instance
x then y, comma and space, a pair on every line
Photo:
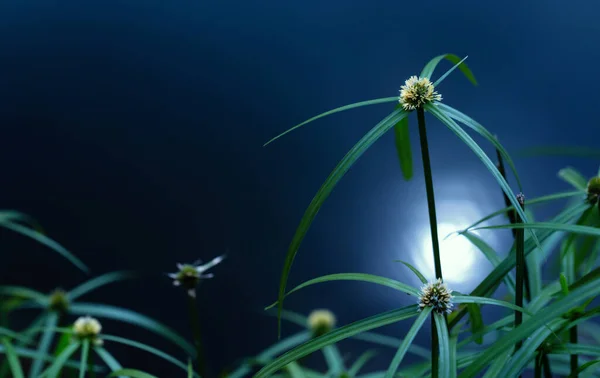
133, 131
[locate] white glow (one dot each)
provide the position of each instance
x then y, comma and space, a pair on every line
458, 255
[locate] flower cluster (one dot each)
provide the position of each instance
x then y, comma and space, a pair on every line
593, 190
436, 295
89, 328
59, 301
189, 275
321, 321
417, 92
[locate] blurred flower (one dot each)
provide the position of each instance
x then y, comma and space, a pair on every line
437, 295
321, 321
417, 92
189, 275
59, 301
86, 327
593, 190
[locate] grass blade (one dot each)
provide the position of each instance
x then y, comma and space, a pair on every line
574, 151
360, 362
43, 239
402, 142
44, 346
60, 361
454, 59
147, 348
573, 228
336, 175
408, 339
97, 282
133, 373
85, 350
571, 176
108, 359
363, 277
415, 271
337, 335
444, 342
446, 120
549, 313
131, 317
477, 127
13, 360
336, 110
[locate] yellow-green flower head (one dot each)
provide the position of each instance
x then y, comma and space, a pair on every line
593, 190
321, 321
417, 92
189, 275
59, 301
436, 295
86, 327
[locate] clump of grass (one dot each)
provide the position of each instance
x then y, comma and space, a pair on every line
546, 325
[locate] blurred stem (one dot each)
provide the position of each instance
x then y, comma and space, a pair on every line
546, 364
434, 232
512, 218
574, 357
520, 267
195, 322
538, 364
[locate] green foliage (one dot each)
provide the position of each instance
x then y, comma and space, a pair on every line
558, 335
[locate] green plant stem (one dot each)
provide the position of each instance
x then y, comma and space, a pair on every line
520, 267
546, 364
195, 322
512, 218
434, 232
574, 358
538, 365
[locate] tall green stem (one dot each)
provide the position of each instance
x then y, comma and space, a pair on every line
574, 358
520, 267
195, 322
434, 232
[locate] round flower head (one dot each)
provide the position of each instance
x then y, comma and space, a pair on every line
86, 327
436, 295
321, 321
59, 301
417, 92
189, 275
593, 190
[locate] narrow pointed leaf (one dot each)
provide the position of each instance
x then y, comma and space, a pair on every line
13, 359
454, 59
85, 350
577, 229
337, 335
43, 239
360, 362
476, 321
339, 171
98, 282
444, 345
572, 151
60, 361
402, 141
336, 110
44, 346
408, 339
133, 373
550, 312
477, 127
108, 359
131, 317
363, 277
415, 271
445, 119
574, 178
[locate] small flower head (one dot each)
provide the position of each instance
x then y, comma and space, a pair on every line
417, 92
521, 199
321, 321
86, 327
436, 295
59, 301
593, 190
189, 275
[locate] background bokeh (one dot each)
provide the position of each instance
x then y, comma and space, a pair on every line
133, 131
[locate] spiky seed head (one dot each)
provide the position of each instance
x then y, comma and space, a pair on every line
59, 301
593, 190
321, 321
417, 92
188, 276
86, 327
436, 295
521, 199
